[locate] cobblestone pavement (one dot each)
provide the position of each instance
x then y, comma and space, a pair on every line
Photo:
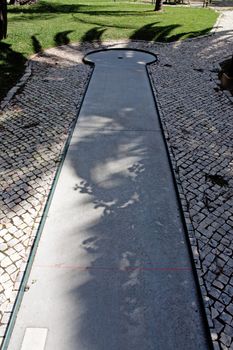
197, 118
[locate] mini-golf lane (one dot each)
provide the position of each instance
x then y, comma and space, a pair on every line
112, 271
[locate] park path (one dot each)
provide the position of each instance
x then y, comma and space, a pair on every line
225, 22
197, 121
112, 270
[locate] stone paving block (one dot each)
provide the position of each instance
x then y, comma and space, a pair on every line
229, 331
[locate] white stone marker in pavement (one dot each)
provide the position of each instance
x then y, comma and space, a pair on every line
34, 338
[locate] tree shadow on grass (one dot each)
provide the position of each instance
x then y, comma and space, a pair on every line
12, 65
37, 47
150, 32
94, 34
45, 10
34, 15
61, 38
44, 7
153, 32
117, 13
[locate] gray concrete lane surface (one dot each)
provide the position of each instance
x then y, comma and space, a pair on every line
112, 270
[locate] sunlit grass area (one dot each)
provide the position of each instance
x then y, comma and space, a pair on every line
55, 22
102, 20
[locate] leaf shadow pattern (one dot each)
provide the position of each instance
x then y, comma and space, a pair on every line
121, 242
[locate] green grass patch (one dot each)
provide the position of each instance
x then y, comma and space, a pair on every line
55, 22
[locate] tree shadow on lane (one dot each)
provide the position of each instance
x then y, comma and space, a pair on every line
124, 241
116, 296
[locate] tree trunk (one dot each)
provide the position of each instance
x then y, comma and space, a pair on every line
3, 19
158, 5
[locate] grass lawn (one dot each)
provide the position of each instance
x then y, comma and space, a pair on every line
56, 22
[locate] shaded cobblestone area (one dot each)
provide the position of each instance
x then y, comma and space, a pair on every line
198, 124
